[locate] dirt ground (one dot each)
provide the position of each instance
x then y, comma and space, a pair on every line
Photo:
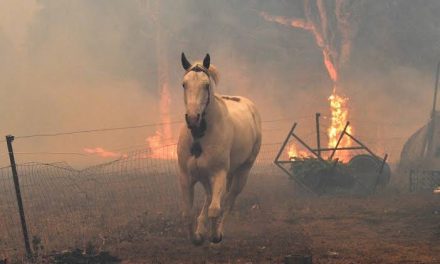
272, 219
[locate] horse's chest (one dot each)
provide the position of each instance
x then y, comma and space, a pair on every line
198, 167
208, 161
196, 150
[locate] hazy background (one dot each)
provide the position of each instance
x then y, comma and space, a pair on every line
70, 65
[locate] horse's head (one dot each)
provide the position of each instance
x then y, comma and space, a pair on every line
197, 90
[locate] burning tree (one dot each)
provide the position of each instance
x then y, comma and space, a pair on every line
329, 22
163, 134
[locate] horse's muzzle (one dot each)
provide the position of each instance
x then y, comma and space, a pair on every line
192, 121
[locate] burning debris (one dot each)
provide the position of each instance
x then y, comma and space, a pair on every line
361, 173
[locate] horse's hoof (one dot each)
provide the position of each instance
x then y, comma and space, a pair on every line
198, 240
217, 239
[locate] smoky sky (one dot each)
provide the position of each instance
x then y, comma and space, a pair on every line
68, 65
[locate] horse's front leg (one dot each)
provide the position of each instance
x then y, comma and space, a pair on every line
202, 219
187, 189
215, 210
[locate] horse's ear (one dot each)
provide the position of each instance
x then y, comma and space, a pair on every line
185, 63
206, 61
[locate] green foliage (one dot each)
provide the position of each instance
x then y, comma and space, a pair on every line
306, 166
320, 175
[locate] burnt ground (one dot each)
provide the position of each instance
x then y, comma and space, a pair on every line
272, 220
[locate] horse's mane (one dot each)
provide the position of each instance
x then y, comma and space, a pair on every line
213, 72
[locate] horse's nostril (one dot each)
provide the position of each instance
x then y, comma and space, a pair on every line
192, 120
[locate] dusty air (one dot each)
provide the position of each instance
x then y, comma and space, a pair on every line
243, 131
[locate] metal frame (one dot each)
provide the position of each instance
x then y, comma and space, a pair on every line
317, 151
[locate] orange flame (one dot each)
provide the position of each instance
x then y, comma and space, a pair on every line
160, 150
103, 153
293, 152
163, 136
294, 22
339, 118
309, 26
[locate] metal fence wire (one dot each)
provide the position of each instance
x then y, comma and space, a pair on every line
68, 208
423, 180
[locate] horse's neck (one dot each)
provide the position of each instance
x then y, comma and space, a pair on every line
215, 112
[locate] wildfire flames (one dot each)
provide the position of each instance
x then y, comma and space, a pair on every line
333, 37
293, 152
103, 153
339, 118
163, 135
159, 145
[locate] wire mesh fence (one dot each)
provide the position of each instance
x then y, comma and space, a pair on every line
68, 208
423, 180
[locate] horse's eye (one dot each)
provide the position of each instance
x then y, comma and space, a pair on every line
183, 85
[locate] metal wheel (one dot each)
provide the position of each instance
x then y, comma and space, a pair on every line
365, 170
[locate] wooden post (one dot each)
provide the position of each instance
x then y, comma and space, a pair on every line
27, 245
318, 138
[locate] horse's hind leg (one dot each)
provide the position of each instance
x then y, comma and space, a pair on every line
239, 179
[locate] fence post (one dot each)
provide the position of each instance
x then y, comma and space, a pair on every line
9, 139
318, 137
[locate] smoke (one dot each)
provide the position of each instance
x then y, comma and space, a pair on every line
72, 65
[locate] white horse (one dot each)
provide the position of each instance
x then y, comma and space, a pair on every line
217, 148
